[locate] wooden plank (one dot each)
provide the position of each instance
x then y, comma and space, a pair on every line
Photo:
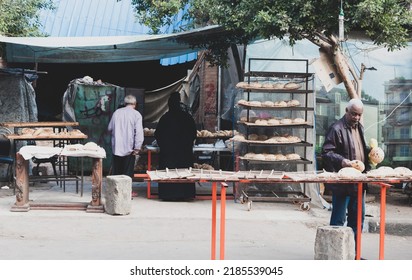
58, 206
46, 137
38, 124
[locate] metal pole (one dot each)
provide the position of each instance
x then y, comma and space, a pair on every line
219, 95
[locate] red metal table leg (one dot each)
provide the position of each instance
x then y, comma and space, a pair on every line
222, 220
235, 185
382, 221
214, 198
149, 167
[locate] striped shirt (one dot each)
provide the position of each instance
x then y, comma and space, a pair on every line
126, 129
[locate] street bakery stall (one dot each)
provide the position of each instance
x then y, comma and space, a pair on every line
383, 176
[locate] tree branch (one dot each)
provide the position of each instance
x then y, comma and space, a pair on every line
319, 40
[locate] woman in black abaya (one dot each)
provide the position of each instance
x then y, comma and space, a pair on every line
175, 134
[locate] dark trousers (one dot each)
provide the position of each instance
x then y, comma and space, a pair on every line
177, 191
123, 165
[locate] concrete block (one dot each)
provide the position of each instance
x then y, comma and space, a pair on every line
118, 195
334, 243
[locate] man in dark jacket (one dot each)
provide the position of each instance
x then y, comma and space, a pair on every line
345, 142
175, 134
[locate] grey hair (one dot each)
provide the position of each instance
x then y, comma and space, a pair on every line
354, 102
130, 99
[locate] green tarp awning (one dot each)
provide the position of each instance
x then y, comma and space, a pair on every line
102, 49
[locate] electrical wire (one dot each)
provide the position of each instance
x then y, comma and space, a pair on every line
385, 118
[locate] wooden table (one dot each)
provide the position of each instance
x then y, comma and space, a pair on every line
23, 203
61, 139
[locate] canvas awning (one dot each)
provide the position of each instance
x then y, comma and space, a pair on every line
102, 49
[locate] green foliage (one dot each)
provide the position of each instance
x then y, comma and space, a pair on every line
21, 17
157, 13
386, 22
369, 98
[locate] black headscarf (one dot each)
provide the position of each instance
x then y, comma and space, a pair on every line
174, 101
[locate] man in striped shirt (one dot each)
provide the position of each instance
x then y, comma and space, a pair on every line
126, 129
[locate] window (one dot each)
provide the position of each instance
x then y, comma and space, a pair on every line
404, 150
402, 96
404, 133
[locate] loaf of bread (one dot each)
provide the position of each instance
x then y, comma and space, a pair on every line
278, 85
298, 120
261, 122
292, 156
293, 102
253, 137
286, 121
273, 121
280, 104
255, 103
292, 85
91, 146
268, 103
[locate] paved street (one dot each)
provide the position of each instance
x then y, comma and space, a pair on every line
176, 230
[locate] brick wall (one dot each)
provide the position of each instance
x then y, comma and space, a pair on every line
208, 96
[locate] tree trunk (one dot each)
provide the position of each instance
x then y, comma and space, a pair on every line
342, 69
331, 47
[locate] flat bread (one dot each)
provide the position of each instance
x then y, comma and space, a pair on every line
402, 171
259, 157
357, 164
278, 85
286, 121
255, 103
350, 173
292, 85
261, 122
91, 146
280, 104
268, 103
273, 121
298, 120
293, 156
253, 137
293, 102
270, 157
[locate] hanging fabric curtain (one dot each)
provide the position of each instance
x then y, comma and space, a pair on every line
156, 101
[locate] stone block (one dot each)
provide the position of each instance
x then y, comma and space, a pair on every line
118, 195
334, 243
